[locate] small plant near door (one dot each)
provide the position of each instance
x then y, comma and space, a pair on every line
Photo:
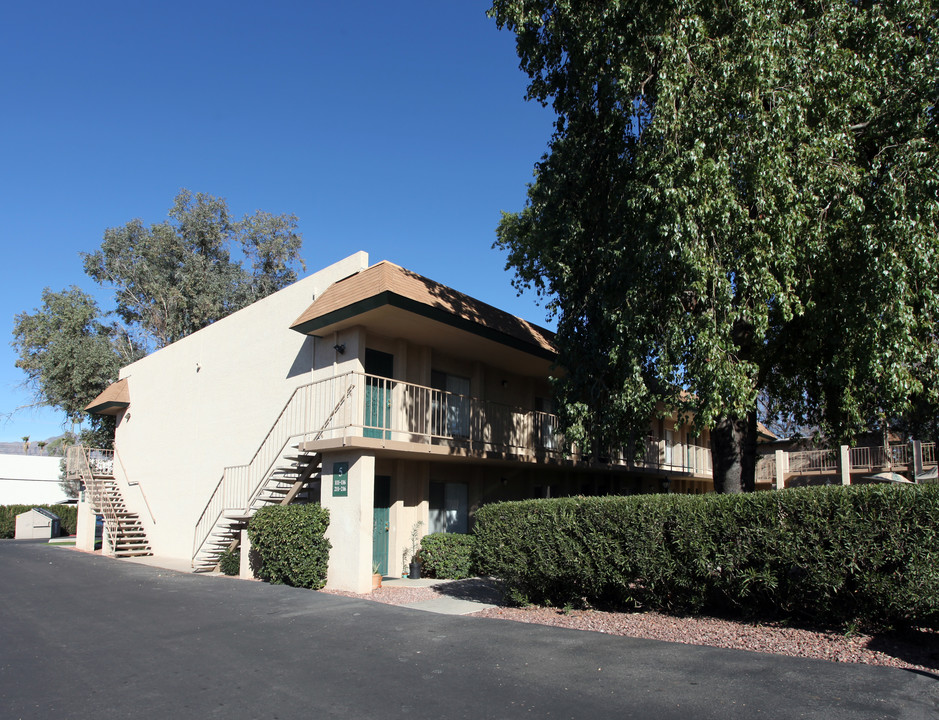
376, 576
410, 558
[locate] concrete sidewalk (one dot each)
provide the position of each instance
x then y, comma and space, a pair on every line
464, 603
442, 604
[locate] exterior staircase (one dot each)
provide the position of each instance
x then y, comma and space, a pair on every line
125, 534
277, 474
295, 478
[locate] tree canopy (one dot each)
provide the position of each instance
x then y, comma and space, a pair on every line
69, 355
177, 276
169, 280
738, 197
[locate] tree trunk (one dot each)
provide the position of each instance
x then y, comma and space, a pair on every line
733, 453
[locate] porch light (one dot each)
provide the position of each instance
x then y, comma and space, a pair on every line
341, 349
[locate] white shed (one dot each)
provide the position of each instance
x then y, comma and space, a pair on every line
36, 523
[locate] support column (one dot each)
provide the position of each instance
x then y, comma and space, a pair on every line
244, 569
780, 470
845, 465
85, 521
348, 491
917, 459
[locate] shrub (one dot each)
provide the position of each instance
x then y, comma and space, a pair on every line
68, 517
230, 562
448, 555
290, 542
865, 554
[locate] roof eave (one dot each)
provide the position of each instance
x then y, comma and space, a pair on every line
392, 299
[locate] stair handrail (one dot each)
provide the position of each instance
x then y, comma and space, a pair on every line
217, 504
99, 498
134, 483
303, 433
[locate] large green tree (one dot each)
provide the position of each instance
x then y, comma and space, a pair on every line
199, 265
169, 280
739, 197
69, 355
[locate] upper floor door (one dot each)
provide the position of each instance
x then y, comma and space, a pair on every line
379, 367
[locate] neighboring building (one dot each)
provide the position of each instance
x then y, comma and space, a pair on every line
30, 480
389, 398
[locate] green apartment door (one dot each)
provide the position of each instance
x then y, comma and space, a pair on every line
378, 393
380, 519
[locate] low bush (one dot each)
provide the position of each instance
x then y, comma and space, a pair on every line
290, 544
867, 554
68, 517
448, 555
230, 562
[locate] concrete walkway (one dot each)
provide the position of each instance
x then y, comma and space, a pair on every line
442, 604
90, 637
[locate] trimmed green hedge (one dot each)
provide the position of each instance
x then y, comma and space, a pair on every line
68, 517
290, 542
448, 555
867, 554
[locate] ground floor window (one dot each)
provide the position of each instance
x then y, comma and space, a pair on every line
448, 507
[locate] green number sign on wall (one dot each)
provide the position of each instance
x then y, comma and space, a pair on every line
341, 479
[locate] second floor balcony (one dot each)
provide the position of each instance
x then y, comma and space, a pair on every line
368, 411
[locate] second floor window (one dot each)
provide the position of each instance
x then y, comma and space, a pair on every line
451, 405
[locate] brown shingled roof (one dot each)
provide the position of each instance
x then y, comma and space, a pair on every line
768, 434
115, 398
388, 284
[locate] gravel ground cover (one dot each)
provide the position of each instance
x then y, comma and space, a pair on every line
916, 649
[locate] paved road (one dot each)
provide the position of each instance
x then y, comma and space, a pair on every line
83, 636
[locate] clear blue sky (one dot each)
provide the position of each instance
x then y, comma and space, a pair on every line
400, 129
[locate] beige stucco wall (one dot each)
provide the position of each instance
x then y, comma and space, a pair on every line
409, 492
208, 401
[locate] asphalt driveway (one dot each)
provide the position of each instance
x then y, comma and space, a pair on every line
83, 636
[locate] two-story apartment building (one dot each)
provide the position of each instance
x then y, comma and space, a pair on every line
393, 400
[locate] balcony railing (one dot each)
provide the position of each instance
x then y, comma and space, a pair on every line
813, 461
879, 457
393, 410
929, 453
98, 462
861, 459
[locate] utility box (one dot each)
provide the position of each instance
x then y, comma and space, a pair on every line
36, 523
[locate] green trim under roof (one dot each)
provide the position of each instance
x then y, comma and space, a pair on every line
392, 299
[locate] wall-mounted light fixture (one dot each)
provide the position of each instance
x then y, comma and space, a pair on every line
198, 367
341, 349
